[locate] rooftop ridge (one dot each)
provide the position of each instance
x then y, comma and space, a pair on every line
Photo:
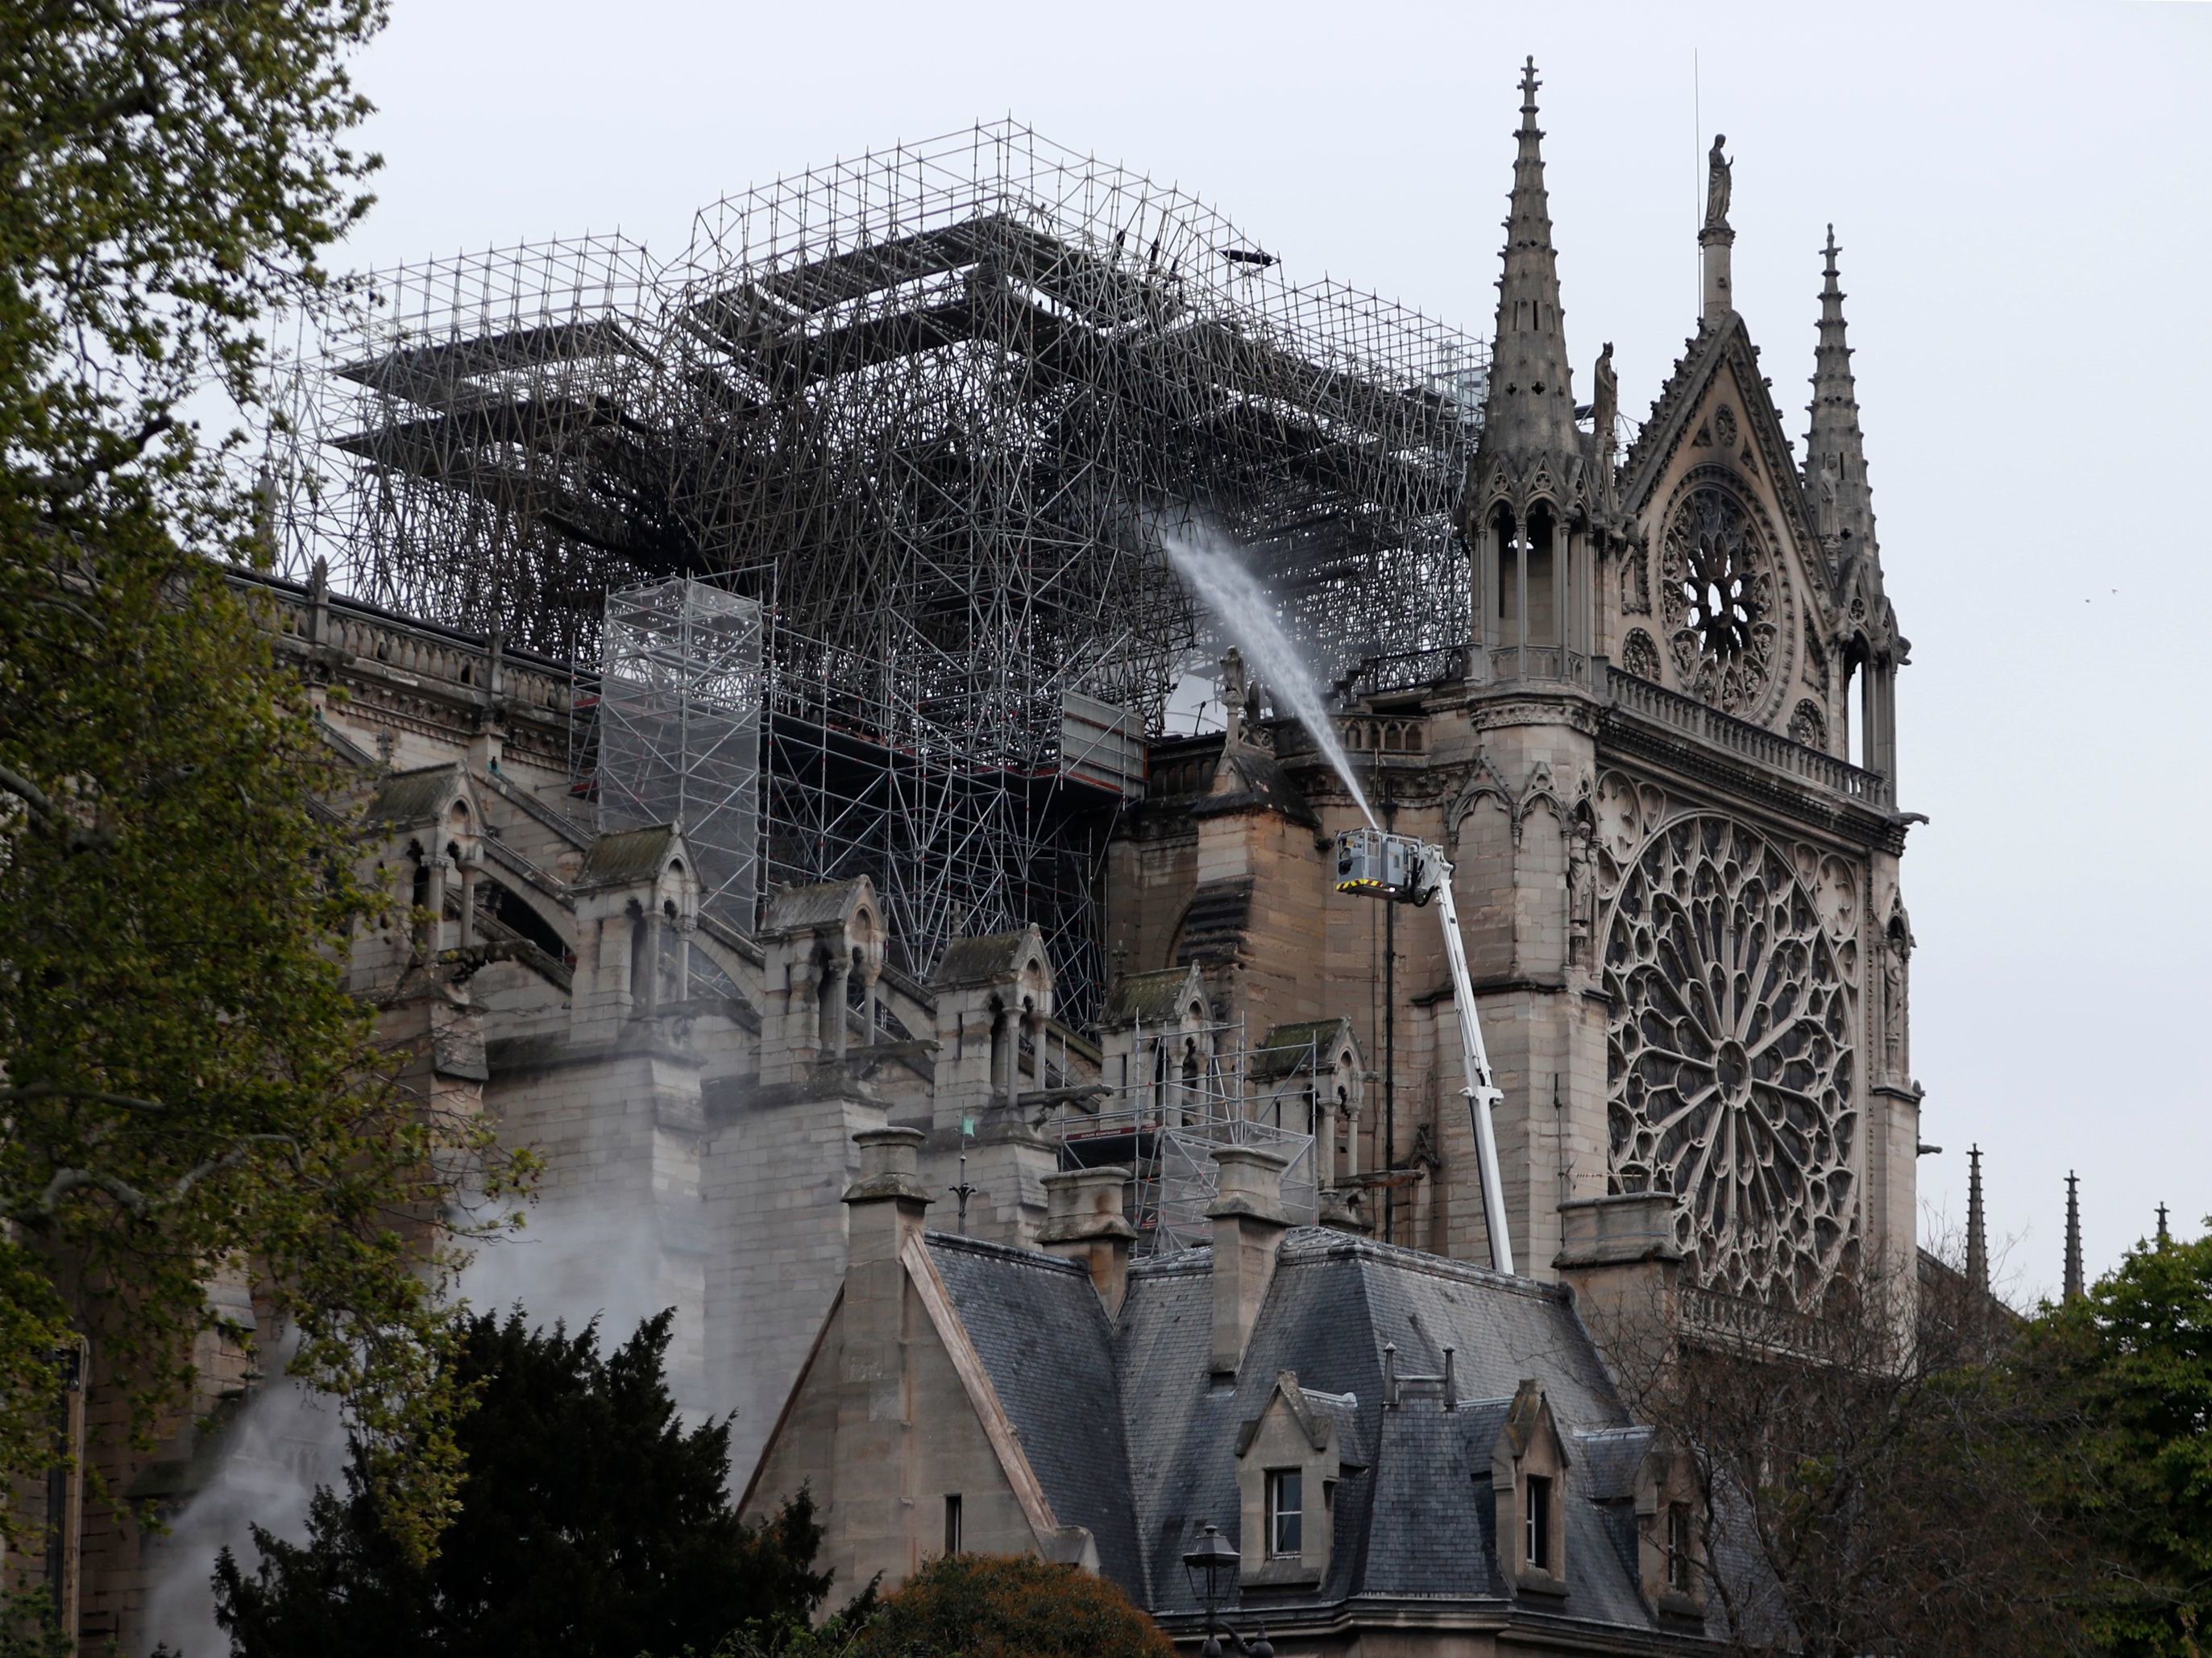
1304, 1243
960, 1242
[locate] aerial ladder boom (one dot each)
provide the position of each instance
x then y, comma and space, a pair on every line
1400, 869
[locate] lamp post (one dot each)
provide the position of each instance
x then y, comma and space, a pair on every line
1212, 1568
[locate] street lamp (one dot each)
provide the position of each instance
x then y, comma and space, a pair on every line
1212, 1568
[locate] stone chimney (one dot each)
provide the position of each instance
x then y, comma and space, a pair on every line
884, 1208
1248, 1223
1085, 1223
1620, 1260
888, 1198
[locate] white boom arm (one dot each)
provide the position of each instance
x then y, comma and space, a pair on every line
1482, 1093
1399, 868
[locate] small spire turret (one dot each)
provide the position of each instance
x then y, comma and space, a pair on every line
1835, 450
1530, 407
2075, 1287
1978, 1236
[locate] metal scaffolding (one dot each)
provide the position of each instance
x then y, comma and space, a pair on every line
679, 711
931, 408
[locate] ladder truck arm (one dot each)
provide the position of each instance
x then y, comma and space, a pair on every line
1399, 868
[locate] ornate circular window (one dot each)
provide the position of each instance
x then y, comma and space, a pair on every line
1717, 586
1729, 1060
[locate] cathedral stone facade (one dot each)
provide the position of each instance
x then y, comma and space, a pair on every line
1662, 768
1679, 889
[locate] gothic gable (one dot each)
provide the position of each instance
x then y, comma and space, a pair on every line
1723, 595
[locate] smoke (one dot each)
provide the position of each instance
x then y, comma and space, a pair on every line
572, 1262
1217, 576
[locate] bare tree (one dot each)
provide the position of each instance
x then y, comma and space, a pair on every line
1868, 1475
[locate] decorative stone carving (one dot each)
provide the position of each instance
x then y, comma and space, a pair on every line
1581, 885
1724, 427
1722, 599
1808, 726
1720, 182
1731, 1057
1636, 582
1816, 663
1639, 656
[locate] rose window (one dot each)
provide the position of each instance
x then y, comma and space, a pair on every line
1718, 589
1729, 1059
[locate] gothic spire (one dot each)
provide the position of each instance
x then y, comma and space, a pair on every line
2165, 1238
1978, 1236
1835, 452
1530, 408
2073, 1285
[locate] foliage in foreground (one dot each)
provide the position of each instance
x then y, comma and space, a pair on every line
592, 1525
188, 1087
2135, 1354
978, 1606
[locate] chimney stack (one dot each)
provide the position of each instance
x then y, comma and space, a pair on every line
1086, 1223
1248, 1223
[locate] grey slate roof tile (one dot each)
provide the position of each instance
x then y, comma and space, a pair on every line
1133, 1438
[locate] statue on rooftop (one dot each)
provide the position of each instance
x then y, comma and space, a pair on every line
1719, 179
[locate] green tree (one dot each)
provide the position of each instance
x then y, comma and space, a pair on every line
2133, 1359
185, 1085
591, 1524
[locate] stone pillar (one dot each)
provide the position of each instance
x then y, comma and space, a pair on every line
1714, 245
468, 932
1619, 1258
1249, 1224
1087, 1224
834, 993
885, 1207
434, 930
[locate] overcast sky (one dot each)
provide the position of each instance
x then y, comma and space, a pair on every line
2020, 193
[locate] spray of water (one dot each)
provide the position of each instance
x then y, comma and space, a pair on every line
1218, 579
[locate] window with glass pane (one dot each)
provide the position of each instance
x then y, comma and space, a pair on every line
1540, 1522
1286, 1513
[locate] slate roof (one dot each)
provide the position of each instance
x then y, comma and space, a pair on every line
1290, 1048
989, 960
626, 856
1045, 1339
792, 910
410, 797
1155, 997
1131, 1436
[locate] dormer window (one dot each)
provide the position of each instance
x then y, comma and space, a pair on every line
1528, 1475
1289, 1449
1539, 1506
1286, 1514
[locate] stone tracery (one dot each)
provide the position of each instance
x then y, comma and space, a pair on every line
1718, 589
1731, 1058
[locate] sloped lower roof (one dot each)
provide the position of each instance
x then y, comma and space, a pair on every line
626, 856
992, 959
1041, 1333
1155, 997
793, 908
410, 797
1130, 1435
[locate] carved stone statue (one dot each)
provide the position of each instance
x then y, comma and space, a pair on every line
1719, 179
1604, 399
1581, 891
1240, 698
1827, 515
1893, 960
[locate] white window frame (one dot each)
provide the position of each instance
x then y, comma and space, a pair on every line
1279, 1479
